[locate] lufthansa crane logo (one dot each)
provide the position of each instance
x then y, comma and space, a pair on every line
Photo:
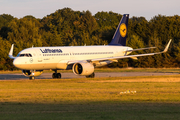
123, 30
31, 60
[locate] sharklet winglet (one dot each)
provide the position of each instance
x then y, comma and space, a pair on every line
11, 52
167, 46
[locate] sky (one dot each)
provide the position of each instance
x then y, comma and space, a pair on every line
138, 8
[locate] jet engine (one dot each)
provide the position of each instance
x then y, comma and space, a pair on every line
83, 69
29, 73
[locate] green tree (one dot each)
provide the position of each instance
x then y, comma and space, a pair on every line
5, 61
5, 19
24, 33
66, 27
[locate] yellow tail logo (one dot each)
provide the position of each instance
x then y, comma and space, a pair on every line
123, 30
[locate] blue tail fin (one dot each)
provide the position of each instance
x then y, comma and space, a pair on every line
120, 35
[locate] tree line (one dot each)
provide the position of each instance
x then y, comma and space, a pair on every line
66, 27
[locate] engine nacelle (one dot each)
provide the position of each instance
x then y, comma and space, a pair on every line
83, 69
28, 73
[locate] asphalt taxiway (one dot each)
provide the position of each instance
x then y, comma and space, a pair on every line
20, 76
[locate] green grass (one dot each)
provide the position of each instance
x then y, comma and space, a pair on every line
92, 99
118, 111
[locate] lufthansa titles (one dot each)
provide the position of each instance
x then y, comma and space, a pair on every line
51, 50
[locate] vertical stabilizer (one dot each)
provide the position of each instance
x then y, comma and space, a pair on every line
120, 35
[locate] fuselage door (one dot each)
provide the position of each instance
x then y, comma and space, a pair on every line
39, 55
72, 56
115, 51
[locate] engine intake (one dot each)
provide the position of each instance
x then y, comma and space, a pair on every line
28, 73
83, 69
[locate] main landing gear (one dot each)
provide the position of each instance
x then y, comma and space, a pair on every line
56, 75
91, 76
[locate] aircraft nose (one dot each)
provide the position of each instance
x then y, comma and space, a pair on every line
17, 63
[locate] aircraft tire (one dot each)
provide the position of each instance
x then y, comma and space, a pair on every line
56, 75
31, 78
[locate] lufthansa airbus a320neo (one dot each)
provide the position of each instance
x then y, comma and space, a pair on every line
81, 59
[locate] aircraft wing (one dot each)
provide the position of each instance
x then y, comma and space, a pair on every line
132, 56
120, 57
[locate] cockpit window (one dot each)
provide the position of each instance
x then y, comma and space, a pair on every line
24, 55
30, 55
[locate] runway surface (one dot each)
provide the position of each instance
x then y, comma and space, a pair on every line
71, 75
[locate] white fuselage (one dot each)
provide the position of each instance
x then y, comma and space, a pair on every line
43, 58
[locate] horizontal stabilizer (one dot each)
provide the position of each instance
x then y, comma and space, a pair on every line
134, 58
140, 49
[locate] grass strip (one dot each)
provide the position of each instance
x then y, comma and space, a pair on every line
92, 99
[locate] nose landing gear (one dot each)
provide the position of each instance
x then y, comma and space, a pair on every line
32, 73
31, 78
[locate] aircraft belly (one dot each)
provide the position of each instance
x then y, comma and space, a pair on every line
38, 66
62, 66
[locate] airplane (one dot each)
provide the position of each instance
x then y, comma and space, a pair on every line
81, 59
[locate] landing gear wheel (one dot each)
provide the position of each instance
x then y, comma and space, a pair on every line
91, 76
56, 75
31, 78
